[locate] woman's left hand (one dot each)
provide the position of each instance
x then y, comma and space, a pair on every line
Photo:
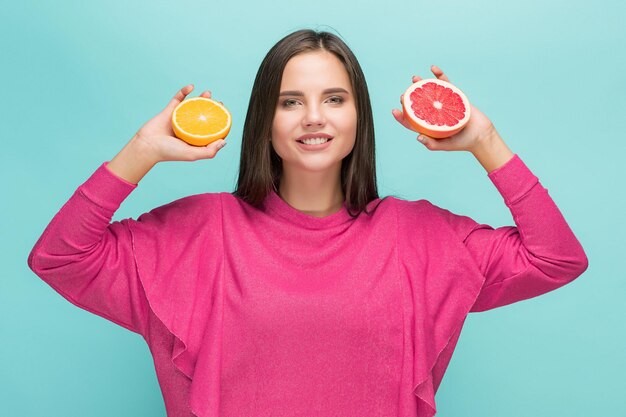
477, 129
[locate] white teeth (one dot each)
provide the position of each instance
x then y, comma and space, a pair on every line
315, 141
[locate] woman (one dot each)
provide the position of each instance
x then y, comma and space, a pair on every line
302, 292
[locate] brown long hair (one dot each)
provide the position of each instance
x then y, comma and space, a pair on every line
260, 166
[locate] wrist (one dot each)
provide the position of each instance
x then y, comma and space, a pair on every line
486, 140
491, 151
133, 162
143, 150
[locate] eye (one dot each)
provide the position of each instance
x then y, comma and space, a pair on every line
287, 103
290, 102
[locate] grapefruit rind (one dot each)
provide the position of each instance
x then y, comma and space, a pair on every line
426, 128
200, 140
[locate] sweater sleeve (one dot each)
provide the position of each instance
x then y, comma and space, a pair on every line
89, 260
534, 257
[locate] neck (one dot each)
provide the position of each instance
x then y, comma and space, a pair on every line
318, 194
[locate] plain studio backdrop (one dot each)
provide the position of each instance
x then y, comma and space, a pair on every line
80, 78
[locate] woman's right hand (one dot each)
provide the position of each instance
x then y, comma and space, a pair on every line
158, 139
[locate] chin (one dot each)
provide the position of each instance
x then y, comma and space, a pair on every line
320, 167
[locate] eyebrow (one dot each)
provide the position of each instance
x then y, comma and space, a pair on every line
327, 91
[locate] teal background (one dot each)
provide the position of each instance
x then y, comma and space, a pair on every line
80, 78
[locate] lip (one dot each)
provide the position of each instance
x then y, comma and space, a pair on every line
315, 135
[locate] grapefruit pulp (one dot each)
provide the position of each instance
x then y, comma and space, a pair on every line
200, 121
436, 108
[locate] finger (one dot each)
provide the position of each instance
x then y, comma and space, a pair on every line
416, 78
399, 116
206, 94
439, 73
442, 144
427, 141
213, 148
180, 96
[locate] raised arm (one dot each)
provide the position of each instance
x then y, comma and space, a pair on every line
539, 254
89, 260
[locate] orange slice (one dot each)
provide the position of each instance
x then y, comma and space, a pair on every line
200, 121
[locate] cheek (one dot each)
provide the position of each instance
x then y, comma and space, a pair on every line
348, 121
282, 124
348, 117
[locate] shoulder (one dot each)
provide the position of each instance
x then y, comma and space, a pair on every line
185, 211
428, 216
417, 209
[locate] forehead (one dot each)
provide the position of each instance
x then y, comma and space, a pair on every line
315, 70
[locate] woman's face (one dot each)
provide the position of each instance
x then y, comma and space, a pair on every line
315, 98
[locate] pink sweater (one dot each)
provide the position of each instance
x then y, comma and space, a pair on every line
272, 312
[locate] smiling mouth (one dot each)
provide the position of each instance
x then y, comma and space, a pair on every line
314, 142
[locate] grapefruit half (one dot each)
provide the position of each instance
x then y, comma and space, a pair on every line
436, 108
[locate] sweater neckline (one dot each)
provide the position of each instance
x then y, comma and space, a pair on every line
280, 207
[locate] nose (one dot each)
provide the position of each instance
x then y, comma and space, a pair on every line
313, 116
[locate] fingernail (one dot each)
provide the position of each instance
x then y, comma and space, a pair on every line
421, 138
